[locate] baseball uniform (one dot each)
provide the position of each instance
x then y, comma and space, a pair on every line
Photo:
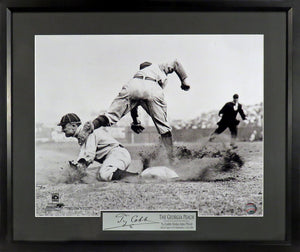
146, 89
102, 147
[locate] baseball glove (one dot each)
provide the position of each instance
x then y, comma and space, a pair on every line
87, 129
137, 127
76, 173
185, 86
78, 166
73, 164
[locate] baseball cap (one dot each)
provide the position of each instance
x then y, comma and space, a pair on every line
145, 64
69, 118
235, 96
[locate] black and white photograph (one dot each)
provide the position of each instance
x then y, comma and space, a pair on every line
149, 123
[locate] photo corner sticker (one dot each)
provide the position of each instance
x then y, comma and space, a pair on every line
149, 221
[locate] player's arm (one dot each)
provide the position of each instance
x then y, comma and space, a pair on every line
241, 111
136, 125
134, 115
179, 70
221, 112
100, 121
87, 152
90, 126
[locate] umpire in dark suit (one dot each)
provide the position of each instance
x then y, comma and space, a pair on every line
229, 113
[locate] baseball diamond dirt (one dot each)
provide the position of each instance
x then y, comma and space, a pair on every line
215, 181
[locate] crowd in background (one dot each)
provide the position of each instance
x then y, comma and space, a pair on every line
183, 130
209, 120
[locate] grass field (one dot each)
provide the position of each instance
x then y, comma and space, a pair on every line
217, 193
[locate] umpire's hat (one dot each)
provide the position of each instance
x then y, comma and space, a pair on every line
69, 118
235, 96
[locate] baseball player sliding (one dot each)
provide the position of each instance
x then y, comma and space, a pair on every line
99, 146
144, 89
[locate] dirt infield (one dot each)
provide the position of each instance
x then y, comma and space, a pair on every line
215, 192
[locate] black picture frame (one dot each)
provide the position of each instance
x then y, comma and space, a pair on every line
292, 117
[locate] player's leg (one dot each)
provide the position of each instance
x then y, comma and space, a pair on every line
156, 107
218, 131
233, 131
115, 165
167, 141
126, 100
119, 107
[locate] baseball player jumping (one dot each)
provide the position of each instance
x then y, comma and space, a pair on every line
99, 146
229, 113
144, 89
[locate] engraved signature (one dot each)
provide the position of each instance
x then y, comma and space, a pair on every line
126, 220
